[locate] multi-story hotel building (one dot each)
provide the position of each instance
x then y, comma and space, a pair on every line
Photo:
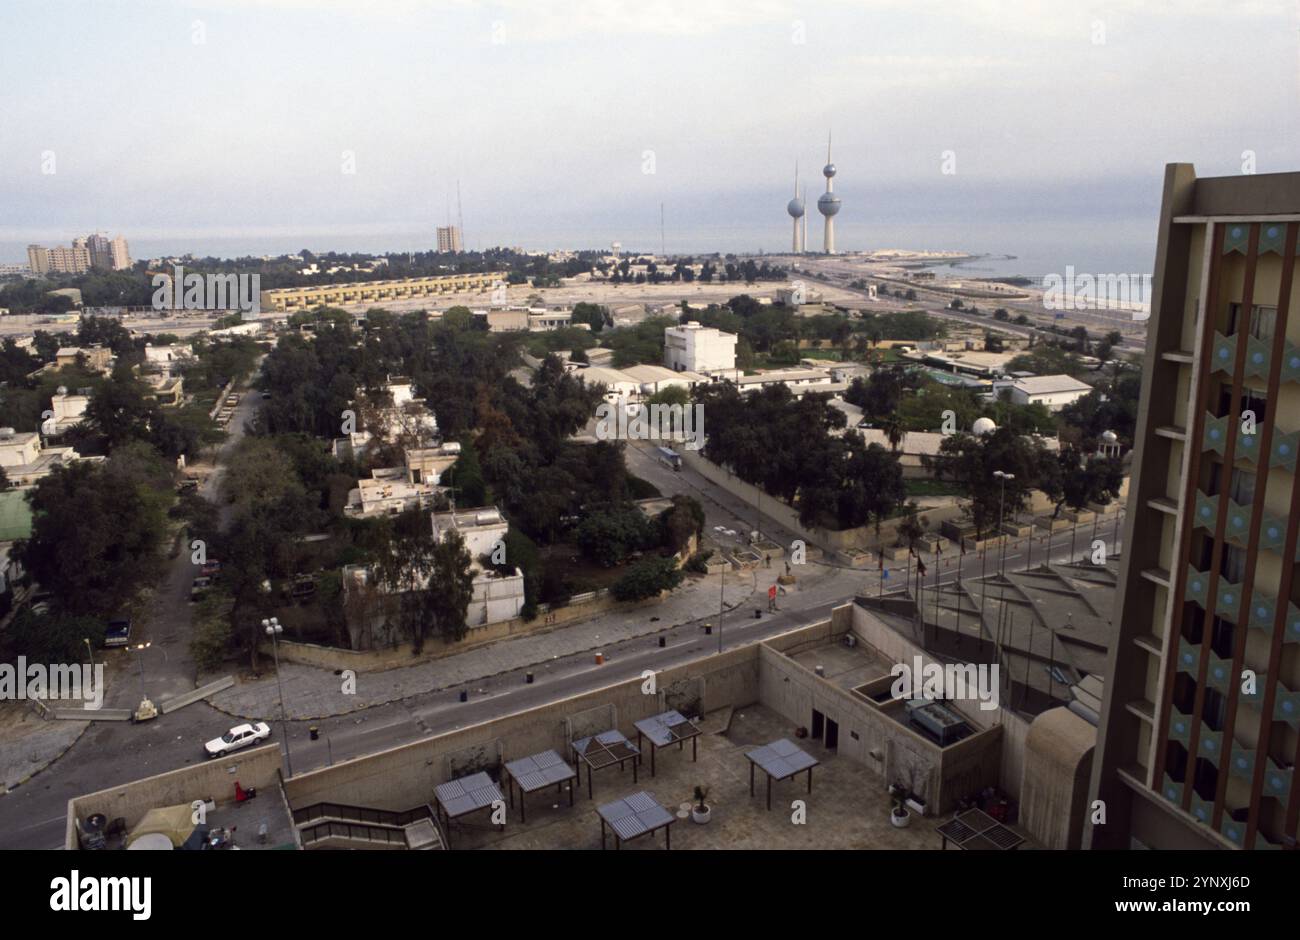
374, 292
448, 238
1200, 725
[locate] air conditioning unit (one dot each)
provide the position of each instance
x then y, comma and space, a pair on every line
850, 640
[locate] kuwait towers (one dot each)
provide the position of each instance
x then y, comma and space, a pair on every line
796, 210
829, 203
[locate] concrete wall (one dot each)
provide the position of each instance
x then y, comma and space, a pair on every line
1057, 766
212, 780
375, 660
404, 777
782, 514
896, 647
868, 734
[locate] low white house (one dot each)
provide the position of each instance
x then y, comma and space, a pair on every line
1053, 391
67, 410
167, 357
25, 461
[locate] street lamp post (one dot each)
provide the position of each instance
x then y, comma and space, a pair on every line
1002, 563
147, 710
139, 658
722, 600
273, 630
1002, 503
90, 651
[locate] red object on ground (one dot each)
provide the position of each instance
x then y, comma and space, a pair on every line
240, 793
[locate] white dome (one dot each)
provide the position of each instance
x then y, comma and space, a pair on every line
1109, 437
983, 426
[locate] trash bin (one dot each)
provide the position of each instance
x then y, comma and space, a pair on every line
464, 695
663, 641
757, 613
528, 678
314, 732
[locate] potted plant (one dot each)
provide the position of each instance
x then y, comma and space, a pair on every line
701, 812
899, 817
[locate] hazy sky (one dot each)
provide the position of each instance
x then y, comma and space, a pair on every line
181, 123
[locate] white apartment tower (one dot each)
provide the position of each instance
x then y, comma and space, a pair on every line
695, 348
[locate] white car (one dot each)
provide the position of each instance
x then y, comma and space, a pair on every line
237, 737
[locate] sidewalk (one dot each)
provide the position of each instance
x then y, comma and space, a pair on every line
29, 744
312, 694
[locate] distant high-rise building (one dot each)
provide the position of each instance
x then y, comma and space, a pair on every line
91, 251
121, 254
59, 260
100, 250
38, 259
1199, 733
449, 238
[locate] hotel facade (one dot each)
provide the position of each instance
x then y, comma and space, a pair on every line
1200, 724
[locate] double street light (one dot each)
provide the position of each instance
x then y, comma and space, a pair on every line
273, 630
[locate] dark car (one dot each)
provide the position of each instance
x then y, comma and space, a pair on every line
118, 632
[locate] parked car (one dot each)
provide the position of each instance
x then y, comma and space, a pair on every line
199, 588
266, 396
118, 632
237, 737
210, 569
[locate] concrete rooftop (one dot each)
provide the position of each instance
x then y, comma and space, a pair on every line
848, 808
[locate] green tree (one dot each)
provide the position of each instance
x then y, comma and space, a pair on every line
53, 636
647, 578
97, 531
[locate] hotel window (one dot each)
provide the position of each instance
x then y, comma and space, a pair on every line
1233, 567
1241, 487
1221, 638
1215, 709
1262, 321
1251, 400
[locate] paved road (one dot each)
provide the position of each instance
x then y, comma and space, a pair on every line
169, 669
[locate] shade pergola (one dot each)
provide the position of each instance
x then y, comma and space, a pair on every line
665, 729
457, 798
605, 750
537, 772
634, 816
780, 760
976, 830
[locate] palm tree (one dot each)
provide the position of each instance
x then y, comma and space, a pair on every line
893, 429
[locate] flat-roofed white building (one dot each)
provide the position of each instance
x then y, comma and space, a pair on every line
25, 461
67, 410
797, 380
618, 384
388, 492
657, 378
1052, 391
167, 357
497, 596
695, 348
